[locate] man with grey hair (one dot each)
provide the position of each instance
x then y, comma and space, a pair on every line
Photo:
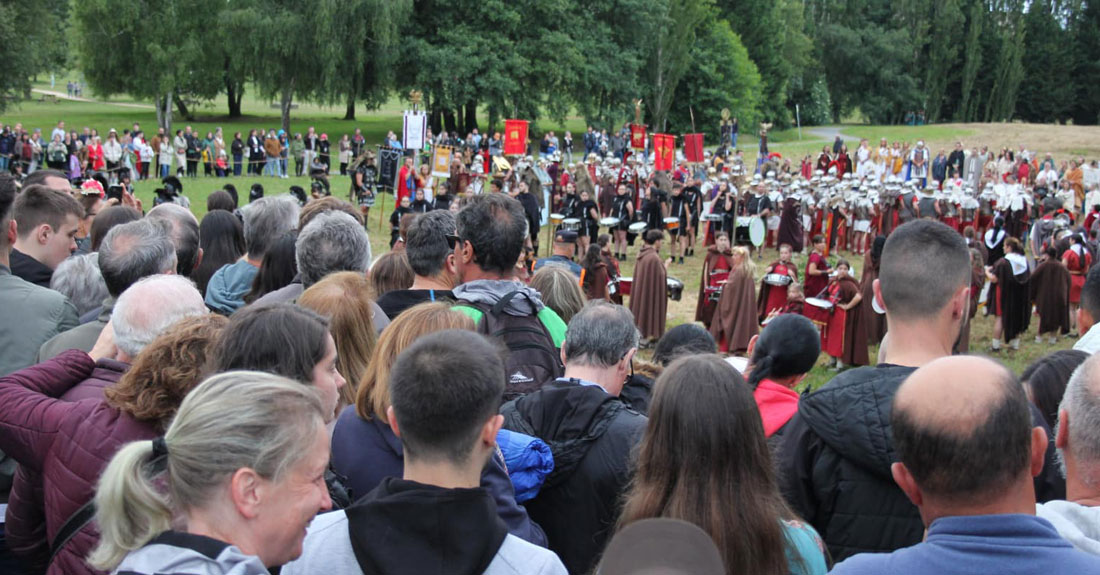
1077, 438
265, 221
78, 278
432, 259
591, 433
129, 252
332, 241
184, 231
150, 307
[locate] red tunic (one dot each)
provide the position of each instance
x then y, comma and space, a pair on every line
1078, 266
775, 297
814, 284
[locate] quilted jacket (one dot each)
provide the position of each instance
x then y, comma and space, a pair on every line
62, 447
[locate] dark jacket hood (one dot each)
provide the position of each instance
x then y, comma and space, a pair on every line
852, 415
407, 527
568, 416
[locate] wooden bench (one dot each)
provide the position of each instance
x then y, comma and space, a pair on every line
52, 98
278, 106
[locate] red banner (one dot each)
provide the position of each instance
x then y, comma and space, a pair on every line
664, 151
515, 137
693, 147
637, 136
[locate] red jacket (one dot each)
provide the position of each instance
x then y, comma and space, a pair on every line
777, 405
65, 444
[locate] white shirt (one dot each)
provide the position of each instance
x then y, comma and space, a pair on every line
1089, 342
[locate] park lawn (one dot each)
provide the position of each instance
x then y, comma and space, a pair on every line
120, 112
197, 189
103, 116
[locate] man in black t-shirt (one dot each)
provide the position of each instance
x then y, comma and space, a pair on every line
429, 245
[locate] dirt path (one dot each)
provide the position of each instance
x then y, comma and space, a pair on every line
64, 96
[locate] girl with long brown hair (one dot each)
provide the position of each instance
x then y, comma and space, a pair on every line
704, 460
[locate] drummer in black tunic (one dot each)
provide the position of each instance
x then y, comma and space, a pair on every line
654, 207
760, 205
694, 196
680, 209
622, 207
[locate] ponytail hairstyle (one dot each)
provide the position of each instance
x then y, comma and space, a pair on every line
789, 345
231, 421
998, 223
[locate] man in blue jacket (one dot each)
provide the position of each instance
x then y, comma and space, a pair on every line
968, 452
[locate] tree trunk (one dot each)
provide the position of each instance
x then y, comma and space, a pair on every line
435, 120
471, 116
449, 120
349, 114
163, 104
182, 107
284, 105
460, 121
233, 94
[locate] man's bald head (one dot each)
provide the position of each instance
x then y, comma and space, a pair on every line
924, 263
962, 428
1080, 408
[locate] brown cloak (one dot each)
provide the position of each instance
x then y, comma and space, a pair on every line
1048, 290
649, 294
704, 308
735, 317
790, 225
874, 323
595, 282
855, 331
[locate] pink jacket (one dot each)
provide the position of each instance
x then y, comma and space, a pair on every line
61, 447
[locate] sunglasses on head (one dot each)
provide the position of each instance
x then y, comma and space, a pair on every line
453, 240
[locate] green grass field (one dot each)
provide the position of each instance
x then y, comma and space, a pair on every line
375, 125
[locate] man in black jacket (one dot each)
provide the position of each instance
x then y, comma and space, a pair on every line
591, 433
834, 463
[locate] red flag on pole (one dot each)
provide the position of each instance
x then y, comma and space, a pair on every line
693, 147
515, 137
664, 151
637, 136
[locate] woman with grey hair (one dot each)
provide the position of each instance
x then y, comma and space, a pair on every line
241, 511
79, 279
559, 289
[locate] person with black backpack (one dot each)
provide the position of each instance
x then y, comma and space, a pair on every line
591, 433
490, 233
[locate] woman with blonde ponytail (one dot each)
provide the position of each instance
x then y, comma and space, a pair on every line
230, 488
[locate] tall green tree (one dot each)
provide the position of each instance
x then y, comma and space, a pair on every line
155, 50
773, 31
278, 42
32, 41
1086, 66
671, 55
360, 62
1048, 90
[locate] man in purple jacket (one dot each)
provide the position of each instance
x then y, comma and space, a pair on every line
962, 430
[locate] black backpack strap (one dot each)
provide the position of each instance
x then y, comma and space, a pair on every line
80, 518
498, 308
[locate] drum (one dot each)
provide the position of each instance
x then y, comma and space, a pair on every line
556, 218
818, 310
777, 279
637, 227
675, 288
573, 224
609, 222
624, 285
672, 224
757, 231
